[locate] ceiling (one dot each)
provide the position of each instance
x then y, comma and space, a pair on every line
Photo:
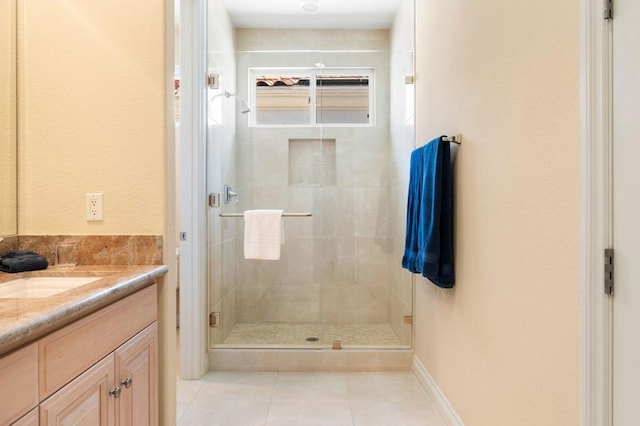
338, 14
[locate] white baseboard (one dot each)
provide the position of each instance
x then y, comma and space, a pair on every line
441, 402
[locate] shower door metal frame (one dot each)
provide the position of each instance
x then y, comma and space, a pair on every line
596, 405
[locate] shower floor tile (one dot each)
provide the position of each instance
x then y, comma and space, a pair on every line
311, 335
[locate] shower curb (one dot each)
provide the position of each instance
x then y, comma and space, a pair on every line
310, 360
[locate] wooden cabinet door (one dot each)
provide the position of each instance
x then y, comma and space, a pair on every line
18, 383
137, 373
30, 419
85, 401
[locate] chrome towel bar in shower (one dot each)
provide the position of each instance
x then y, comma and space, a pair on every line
283, 215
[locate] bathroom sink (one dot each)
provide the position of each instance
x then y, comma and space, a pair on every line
35, 287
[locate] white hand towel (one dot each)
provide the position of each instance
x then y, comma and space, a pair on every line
263, 234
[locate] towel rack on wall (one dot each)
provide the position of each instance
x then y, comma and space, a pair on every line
283, 214
455, 139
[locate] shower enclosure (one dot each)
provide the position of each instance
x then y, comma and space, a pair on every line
318, 122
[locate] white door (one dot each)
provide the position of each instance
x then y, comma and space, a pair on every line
626, 216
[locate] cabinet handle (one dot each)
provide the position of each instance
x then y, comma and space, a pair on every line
115, 392
127, 382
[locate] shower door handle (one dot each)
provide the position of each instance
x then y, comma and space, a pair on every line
229, 194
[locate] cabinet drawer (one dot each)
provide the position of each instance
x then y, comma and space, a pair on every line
69, 351
18, 383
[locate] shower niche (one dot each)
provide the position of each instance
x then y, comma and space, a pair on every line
312, 162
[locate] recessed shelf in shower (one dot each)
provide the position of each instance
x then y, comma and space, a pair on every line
312, 162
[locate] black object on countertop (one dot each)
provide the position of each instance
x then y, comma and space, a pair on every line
15, 261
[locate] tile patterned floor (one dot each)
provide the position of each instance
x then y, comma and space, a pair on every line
258, 334
311, 398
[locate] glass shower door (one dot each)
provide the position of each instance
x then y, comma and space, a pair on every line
338, 282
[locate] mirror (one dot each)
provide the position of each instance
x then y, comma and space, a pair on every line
8, 120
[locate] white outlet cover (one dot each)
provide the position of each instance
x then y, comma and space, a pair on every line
95, 211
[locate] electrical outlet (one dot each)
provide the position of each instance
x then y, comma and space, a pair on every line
94, 207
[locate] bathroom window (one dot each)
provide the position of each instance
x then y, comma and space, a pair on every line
312, 97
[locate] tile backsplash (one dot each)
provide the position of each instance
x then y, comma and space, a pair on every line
99, 249
8, 243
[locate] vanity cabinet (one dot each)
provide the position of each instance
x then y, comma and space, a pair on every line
99, 370
120, 389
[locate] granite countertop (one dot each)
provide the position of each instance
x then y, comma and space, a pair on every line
23, 320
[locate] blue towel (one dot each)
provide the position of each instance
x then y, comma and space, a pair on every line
413, 210
429, 237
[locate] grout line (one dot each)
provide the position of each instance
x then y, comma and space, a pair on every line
273, 392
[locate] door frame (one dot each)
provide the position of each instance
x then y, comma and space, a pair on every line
596, 214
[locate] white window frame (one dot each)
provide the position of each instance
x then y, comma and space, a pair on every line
369, 72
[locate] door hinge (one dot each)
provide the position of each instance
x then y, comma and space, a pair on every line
608, 271
214, 199
608, 9
213, 81
214, 319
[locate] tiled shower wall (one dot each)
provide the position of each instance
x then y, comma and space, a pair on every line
336, 266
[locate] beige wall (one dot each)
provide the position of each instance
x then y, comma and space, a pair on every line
92, 105
94, 79
8, 212
504, 344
